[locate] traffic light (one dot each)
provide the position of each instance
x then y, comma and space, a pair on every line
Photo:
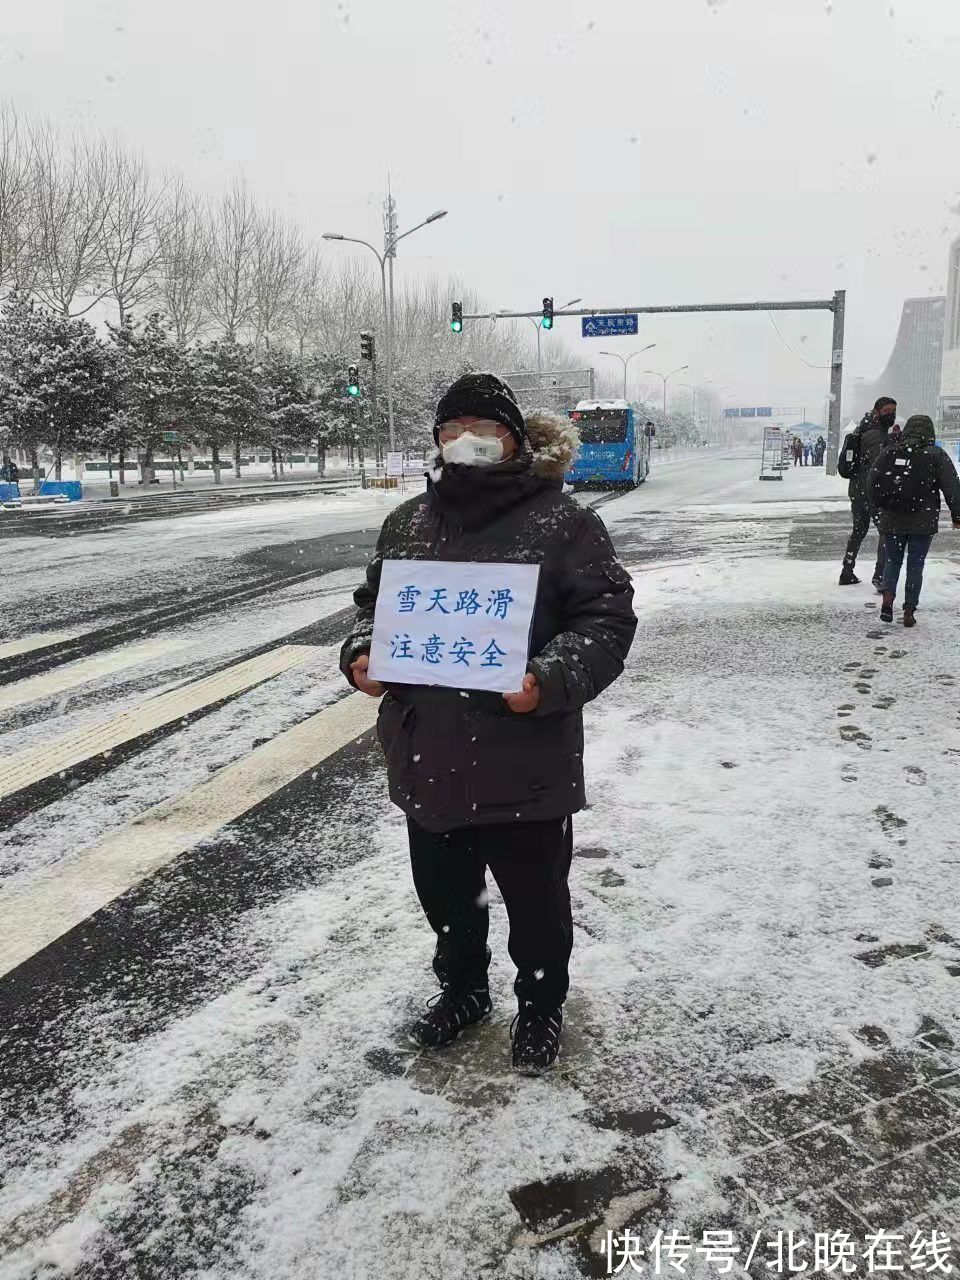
547, 321
367, 350
353, 380
456, 317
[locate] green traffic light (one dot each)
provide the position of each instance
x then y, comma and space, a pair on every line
353, 389
546, 322
456, 325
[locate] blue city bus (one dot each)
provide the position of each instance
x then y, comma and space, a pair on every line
615, 445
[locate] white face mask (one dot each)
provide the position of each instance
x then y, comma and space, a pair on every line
473, 451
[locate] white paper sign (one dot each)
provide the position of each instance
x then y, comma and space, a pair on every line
464, 626
395, 464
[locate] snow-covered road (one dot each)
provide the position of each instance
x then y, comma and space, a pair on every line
209, 1077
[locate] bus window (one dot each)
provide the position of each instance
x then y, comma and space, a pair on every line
601, 426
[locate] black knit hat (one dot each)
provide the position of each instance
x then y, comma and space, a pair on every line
481, 395
883, 402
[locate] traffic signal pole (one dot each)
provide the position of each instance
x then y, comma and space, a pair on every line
836, 304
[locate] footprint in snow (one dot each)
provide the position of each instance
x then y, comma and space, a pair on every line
850, 733
876, 635
889, 821
880, 862
862, 688
852, 666
882, 882
898, 653
885, 703
915, 775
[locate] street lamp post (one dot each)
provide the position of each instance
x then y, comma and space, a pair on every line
625, 360
389, 249
665, 378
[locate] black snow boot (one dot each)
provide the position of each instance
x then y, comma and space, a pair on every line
847, 577
886, 608
536, 1039
448, 1013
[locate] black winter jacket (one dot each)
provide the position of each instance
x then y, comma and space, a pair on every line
455, 758
943, 479
873, 439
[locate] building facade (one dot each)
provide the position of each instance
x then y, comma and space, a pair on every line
915, 368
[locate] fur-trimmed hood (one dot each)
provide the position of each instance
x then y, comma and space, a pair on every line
553, 441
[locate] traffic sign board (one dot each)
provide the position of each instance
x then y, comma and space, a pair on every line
608, 326
171, 437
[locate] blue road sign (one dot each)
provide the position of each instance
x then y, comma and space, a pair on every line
731, 413
608, 326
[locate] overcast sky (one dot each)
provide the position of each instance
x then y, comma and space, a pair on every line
627, 151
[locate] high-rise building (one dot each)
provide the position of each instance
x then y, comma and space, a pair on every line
949, 406
913, 372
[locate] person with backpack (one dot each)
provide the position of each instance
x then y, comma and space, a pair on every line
821, 448
861, 448
906, 482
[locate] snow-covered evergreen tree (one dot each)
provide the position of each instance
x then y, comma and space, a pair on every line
55, 382
153, 376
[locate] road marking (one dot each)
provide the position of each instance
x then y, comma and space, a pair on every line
59, 900
36, 763
77, 673
43, 640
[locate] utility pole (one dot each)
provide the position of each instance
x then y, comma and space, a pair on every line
836, 381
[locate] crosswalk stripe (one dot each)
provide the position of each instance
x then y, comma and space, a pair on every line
42, 640
36, 763
60, 899
76, 673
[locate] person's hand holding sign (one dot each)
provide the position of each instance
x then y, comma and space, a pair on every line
528, 699
363, 682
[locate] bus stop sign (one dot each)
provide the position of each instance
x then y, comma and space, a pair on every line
608, 326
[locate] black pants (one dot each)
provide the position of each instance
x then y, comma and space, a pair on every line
530, 862
862, 514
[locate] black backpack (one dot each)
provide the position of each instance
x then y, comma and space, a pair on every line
848, 463
906, 479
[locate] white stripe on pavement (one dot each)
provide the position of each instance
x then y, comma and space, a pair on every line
42, 640
59, 900
43, 761
77, 673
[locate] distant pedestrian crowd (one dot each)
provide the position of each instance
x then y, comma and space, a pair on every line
809, 453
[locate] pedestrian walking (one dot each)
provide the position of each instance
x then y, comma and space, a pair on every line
490, 780
797, 451
906, 482
806, 453
821, 450
10, 472
861, 448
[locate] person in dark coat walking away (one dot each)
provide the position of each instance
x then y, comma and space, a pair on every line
797, 452
871, 439
906, 481
821, 449
10, 472
490, 780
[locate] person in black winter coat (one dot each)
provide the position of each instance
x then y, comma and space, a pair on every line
872, 431
911, 532
488, 779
